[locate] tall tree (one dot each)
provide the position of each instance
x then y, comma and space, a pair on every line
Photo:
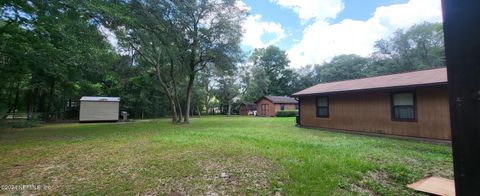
269, 74
147, 29
419, 47
227, 89
212, 30
342, 67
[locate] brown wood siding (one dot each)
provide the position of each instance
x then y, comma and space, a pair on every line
243, 110
288, 106
371, 112
269, 108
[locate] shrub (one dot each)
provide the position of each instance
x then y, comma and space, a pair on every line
24, 124
287, 113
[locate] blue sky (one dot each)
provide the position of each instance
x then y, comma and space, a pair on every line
302, 27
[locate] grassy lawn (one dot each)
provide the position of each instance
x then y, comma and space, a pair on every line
213, 155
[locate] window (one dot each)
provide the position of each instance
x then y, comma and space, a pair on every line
322, 107
282, 106
404, 107
296, 106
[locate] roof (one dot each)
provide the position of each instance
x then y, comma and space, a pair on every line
250, 106
409, 79
279, 99
106, 99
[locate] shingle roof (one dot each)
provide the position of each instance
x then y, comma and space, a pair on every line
280, 99
410, 79
106, 99
250, 106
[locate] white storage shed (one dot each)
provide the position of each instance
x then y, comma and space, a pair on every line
99, 109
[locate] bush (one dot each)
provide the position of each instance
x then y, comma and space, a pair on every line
287, 113
24, 124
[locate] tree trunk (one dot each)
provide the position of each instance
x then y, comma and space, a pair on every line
174, 83
179, 107
9, 99
50, 101
174, 110
191, 79
229, 112
15, 102
29, 106
170, 97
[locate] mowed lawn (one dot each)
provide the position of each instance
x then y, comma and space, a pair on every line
213, 156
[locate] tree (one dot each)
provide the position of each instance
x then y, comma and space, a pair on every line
305, 77
419, 47
178, 39
342, 67
258, 84
146, 28
269, 74
48, 47
212, 32
227, 89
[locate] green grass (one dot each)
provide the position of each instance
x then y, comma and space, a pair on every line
213, 155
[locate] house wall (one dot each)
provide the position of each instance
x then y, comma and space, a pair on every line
99, 111
288, 106
371, 112
270, 108
243, 110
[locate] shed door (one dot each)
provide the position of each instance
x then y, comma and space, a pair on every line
263, 111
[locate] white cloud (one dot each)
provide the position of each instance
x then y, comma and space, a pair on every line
254, 28
321, 41
308, 9
407, 14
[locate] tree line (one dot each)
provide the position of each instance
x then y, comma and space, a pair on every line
168, 58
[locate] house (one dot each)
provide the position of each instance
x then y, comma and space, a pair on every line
99, 109
247, 109
413, 104
269, 105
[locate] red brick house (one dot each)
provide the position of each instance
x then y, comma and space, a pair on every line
269, 105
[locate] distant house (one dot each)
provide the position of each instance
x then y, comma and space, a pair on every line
247, 109
413, 104
269, 105
99, 109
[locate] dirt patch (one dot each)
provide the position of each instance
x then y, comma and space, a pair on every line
366, 185
219, 175
361, 190
379, 177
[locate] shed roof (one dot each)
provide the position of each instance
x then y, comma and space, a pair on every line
279, 99
105, 99
250, 106
409, 79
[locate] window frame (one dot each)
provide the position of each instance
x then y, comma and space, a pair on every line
328, 107
392, 107
282, 107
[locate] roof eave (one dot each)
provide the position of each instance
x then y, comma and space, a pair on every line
371, 89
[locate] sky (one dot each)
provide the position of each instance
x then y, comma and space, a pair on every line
314, 31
